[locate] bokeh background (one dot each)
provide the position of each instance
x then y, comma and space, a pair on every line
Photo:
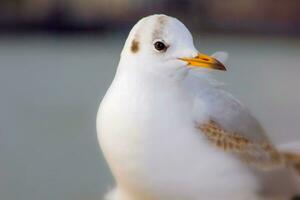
58, 57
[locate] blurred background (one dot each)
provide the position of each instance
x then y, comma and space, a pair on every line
58, 57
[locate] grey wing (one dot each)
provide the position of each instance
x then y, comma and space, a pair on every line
232, 128
223, 107
231, 114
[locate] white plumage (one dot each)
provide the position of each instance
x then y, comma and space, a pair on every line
147, 124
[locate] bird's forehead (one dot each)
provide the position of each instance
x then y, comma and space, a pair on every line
152, 27
156, 27
162, 27
146, 30
159, 27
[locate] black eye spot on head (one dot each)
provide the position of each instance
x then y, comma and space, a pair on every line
134, 46
160, 46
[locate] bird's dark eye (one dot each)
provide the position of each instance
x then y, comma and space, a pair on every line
160, 46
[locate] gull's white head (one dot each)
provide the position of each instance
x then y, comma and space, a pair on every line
162, 44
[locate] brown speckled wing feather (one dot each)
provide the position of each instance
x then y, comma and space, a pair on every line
261, 154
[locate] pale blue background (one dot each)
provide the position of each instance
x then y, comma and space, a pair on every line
51, 88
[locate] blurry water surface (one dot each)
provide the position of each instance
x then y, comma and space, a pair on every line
51, 88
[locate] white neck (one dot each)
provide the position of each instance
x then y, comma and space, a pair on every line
148, 71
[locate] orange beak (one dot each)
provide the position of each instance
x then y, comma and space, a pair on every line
205, 61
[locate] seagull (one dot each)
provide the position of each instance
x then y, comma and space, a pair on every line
170, 132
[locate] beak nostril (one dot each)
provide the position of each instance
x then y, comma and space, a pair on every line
205, 59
